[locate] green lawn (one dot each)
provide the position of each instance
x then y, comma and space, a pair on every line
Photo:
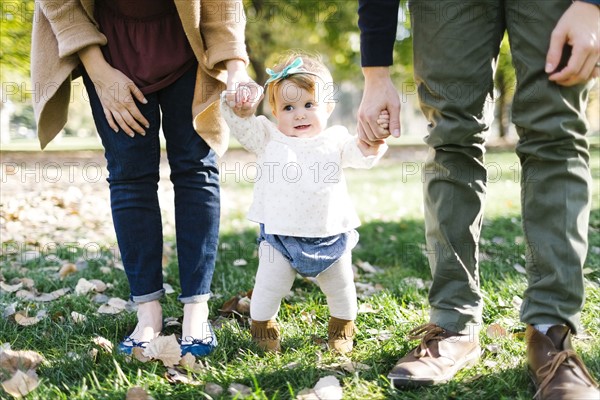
389, 201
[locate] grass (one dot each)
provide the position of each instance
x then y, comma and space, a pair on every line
392, 237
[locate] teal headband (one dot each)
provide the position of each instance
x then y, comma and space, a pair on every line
294, 68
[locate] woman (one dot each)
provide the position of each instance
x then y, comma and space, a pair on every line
147, 64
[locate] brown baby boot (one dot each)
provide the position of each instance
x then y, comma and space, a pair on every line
266, 335
341, 332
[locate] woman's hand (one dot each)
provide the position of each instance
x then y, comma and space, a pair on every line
243, 94
116, 92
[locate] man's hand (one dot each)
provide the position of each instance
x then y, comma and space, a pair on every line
578, 27
380, 95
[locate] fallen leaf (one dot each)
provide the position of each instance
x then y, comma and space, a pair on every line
168, 288
108, 309
416, 283
114, 305
229, 306
25, 295
84, 287
77, 317
105, 270
103, 343
137, 393
66, 270
22, 319
517, 301
4, 287
587, 271
117, 303
326, 388
368, 268
171, 321
13, 360
21, 383
238, 390
189, 361
307, 317
175, 376
45, 297
138, 354
243, 305
351, 366
519, 268
240, 262
366, 308
495, 331
165, 349
99, 286
10, 310
213, 390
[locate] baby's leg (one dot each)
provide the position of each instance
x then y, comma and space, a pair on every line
337, 282
274, 280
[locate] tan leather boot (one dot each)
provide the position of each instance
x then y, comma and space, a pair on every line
556, 370
340, 335
439, 356
266, 335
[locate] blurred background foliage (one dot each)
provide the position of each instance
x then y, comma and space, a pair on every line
273, 27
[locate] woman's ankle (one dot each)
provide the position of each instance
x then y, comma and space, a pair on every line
149, 323
195, 321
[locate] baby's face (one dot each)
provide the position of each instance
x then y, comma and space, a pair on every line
298, 111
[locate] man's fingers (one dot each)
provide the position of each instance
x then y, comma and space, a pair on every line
395, 123
557, 42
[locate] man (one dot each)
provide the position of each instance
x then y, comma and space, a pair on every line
556, 50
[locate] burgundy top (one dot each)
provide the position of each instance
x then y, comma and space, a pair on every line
146, 41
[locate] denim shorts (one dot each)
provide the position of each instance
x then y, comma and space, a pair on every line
311, 256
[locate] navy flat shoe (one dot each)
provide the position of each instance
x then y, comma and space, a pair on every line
127, 345
197, 347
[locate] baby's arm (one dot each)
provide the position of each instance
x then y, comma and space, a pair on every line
250, 131
373, 149
241, 100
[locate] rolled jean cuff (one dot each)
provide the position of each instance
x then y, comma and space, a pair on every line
148, 297
198, 298
455, 322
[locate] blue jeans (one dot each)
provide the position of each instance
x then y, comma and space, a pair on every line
133, 166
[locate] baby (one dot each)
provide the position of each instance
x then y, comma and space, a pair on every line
307, 221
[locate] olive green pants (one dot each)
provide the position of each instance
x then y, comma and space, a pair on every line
456, 45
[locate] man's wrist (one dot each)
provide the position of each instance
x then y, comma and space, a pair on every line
376, 73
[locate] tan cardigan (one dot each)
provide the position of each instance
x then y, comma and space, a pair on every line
214, 28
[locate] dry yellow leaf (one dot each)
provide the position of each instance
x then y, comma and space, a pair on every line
495, 331
84, 286
66, 270
165, 349
5, 287
137, 393
24, 320
243, 306
77, 317
99, 286
103, 343
13, 360
138, 354
21, 383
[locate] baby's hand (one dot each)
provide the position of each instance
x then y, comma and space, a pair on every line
244, 99
383, 120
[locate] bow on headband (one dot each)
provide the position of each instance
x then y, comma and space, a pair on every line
294, 68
